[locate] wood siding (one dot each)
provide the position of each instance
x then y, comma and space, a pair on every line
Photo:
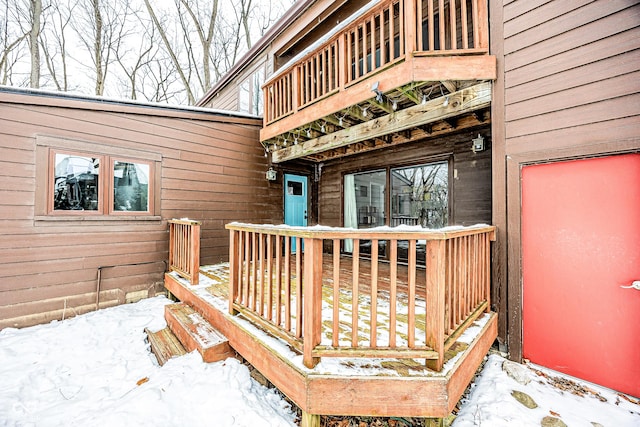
211, 169
471, 190
568, 87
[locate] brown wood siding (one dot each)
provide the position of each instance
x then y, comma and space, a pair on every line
471, 189
212, 169
571, 89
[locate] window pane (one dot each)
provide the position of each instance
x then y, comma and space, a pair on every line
76, 182
364, 203
244, 97
130, 186
420, 196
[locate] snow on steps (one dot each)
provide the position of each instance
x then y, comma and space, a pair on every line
195, 333
164, 345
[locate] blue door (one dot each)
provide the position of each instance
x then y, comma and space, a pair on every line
295, 202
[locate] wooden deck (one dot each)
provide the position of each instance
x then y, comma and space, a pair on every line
344, 385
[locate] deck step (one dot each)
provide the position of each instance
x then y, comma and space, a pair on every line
164, 345
195, 333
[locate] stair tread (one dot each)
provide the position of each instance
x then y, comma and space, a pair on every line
164, 345
196, 333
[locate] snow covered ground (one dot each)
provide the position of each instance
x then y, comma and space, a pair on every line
96, 370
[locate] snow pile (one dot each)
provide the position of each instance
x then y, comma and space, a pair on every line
97, 370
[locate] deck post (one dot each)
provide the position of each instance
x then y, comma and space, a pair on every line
312, 300
436, 276
310, 420
233, 269
409, 7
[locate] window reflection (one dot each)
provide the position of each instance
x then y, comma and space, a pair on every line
76, 182
130, 186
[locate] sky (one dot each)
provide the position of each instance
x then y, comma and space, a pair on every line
96, 369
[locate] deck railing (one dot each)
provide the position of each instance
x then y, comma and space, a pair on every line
386, 34
184, 248
417, 313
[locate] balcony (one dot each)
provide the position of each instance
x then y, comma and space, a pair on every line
395, 71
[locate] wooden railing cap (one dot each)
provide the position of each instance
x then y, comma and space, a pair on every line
184, 221
401, 232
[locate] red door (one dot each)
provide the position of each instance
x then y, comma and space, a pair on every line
580, 245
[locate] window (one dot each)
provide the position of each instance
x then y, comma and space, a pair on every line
79, 179
250, 93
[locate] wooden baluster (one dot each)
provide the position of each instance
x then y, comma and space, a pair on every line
247, 269
393, 261
373, 336
254, 270
261, 281
487, 270
383, 51
312, 323
233, 268
432, 37
453, 23
336, 293
450, 285
419, 44
436, 273
392, 45
269, 289
443, 39
465, 24
278, 279
287, 283
411, 321
354, 292
298, 287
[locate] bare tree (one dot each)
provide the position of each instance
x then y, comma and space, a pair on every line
11, 37
53, 42
102, 28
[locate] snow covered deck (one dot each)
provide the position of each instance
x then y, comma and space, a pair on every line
350, 385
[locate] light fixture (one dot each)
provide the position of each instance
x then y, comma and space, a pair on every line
477, 144
309, 132
322, 127
271, 174
424, 99
377, 91
446, 101
394, 105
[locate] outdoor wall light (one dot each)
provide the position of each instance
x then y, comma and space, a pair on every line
477, 144
378, 92
272, 174
446, 101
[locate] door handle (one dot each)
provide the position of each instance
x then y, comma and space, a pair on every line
634, 285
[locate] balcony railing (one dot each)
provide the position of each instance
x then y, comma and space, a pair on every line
375, 39
327, 304
184, 248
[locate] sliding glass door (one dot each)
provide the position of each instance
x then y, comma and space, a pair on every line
419, 197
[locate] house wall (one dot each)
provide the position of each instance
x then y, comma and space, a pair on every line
568, 87
471, 190
211, 168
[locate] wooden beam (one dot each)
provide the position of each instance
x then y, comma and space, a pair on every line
460, 102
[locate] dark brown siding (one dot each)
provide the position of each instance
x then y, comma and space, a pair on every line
571, 89
211, 169
471, 188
